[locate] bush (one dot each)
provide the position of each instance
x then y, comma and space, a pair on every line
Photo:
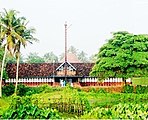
128, 89
119, 111
101, 90
8, 89
34, 90
92, 90
141, 89
22, 90
22, 108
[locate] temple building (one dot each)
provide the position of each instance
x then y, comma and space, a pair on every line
69, 70
51, 73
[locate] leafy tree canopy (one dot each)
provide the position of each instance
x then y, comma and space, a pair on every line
50, 57
34, 58
125, 55
82, 56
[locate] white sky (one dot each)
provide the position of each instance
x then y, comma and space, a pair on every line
92, 21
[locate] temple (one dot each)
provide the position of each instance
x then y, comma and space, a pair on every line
68, 70
53, 74
50, 73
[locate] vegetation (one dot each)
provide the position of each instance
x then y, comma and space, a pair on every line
50, 57
120, 111
34, 58
140, 81
14, 34
124, 56
56, 102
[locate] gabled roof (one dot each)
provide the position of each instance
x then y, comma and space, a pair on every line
66, 63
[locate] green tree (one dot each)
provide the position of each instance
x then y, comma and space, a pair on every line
12, 59
50, 57
73, 50
34, 58
14, 34
124, 56
27, 35
8, 35
82, 56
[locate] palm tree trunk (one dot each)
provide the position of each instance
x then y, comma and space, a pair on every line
17, 70
2, 68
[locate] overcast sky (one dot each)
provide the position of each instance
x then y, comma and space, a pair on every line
92, 21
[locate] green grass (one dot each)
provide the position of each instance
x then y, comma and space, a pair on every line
140, 81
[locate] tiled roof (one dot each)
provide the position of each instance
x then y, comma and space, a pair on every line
45, 69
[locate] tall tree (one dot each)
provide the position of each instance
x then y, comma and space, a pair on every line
12, 59
34, 58
8, 36
124, 56
73, 50
14, 33
27, 35
82, 56
50, 57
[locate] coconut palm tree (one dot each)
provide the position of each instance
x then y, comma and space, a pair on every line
6, 19
12, 28
28, 37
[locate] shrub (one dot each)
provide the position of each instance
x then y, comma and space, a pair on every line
92, 90
128, 89
22, 108
120, 111
22, 90
8, 89
101, 90
141, 89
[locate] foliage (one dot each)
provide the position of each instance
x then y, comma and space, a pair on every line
140, 81
5, 75
73, 50
82, 57
4, 104
11, 59
120, 111
14, 34
8, 89
22, 90
34, 58
71, 102
22, 108
128, 89
124, 56
1, 53
50, 58
141, 89
101, 91
27, 91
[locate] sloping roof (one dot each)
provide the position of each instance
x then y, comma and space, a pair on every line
71, 58
66, 63
45, 69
